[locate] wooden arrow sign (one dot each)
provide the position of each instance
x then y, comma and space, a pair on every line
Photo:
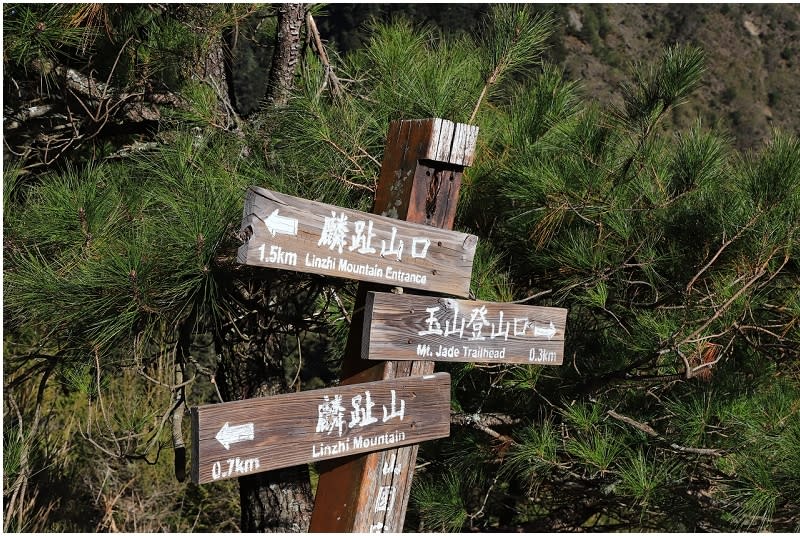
421, 173
306, 236
409, 327
233, 439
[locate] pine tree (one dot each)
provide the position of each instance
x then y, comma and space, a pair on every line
137, 273
671, 253
676, 257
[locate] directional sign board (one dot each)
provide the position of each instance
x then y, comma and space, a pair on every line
234, 439
306, 236
409, 327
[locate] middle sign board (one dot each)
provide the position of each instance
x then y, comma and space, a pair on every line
411, 327
296, 234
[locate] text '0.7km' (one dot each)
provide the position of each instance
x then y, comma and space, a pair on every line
233, 439
296, 234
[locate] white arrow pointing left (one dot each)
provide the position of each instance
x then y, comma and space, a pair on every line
277, 224
228, 435
545, 332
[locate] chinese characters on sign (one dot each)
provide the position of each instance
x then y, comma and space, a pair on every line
331, 417
296, 234
287, 430
408, 327
331, 412
336, 230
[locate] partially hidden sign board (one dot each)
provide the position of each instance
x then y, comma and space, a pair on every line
409, 327
296, 234
233, 439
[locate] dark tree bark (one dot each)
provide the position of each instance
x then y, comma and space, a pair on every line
286, 55
281, 500
276, 501
252, 364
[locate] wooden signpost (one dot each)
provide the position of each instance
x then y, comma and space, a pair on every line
233, 439
364, 434
306, 236
410, 327
421, 173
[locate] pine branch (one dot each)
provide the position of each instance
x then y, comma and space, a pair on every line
489, 82
762, 270
652, 433
725, 244
336, 86
533, 296
484, 423
107, 97
516, 41
23, 115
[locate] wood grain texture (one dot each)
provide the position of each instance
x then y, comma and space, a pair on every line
451, 143
261, 434
411, 327
413, 186
296, 234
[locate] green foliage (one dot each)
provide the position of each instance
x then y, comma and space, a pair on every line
598, 450
535, 453
514, 39
418, 74
521, 377
202, 105
623, 222
13, 452
771, 180
699, 157
40, 32
584, 417
696, 412
642, 479
440, 503
488, 282
658, 87
764, 430
754, 499
141, 249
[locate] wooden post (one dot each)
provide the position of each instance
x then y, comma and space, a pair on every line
420, 180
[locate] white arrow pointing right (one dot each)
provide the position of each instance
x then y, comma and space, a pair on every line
548, 332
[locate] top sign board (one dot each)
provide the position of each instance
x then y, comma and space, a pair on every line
408, 327
307, 236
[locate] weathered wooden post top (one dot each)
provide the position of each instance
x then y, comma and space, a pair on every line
365, 432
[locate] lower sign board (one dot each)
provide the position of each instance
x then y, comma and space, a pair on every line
296, 234
410, 327
237, 438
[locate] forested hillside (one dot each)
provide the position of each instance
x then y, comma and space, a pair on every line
752, 52
638, 166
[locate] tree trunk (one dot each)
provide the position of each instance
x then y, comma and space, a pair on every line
253, 363
285, 57
276, 501
216, 72
281, 500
